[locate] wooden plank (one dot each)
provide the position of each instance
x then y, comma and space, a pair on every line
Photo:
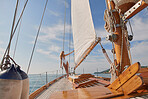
131, 85
108, 79
104, 82
145, 80
142, 70
86, 83
144, 75
134, 96
125, 76
97, 92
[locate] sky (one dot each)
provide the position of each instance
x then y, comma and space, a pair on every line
50, 41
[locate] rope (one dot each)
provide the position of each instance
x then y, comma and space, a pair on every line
19, 19
37, 37
113, 68
16, 8
64, 26
128, 46
17, 39
110, 27
121, 50
70, 37
13, 33
105, 54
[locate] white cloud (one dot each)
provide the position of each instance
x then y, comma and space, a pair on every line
92, 63
1, 42
53, 13
43, 51
140, 49
54, 48
2, 50
52, 52
53, 32
48, 53
140, 53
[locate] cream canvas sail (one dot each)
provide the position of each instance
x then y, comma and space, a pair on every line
83, 29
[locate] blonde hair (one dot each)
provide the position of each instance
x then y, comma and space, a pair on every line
61, 54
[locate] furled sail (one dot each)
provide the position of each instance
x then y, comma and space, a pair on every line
84, 35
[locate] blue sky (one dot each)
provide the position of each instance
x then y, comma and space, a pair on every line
50, 44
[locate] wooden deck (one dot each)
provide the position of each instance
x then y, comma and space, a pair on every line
61, 85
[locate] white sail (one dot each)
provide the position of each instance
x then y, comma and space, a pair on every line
83, 28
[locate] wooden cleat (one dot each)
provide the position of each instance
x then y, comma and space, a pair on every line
125, 76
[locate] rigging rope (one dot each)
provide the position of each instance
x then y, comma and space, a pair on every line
8, 47
37, 37
110, 26
16, 8
17, 39
121, 48
13, 34
105, 54
70, 37
64, 26
128, 46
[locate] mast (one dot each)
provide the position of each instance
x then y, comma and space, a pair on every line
127, 12
120, 44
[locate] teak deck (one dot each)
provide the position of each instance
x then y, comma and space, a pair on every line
86, 93
62, 84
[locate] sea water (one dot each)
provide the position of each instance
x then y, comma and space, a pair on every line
38, 80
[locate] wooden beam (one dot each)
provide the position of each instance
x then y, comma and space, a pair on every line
104, 82
118, 44
88, 51
86, 83
142, 6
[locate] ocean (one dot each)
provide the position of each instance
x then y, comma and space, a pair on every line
38, 80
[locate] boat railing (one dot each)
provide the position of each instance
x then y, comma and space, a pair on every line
40, 82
